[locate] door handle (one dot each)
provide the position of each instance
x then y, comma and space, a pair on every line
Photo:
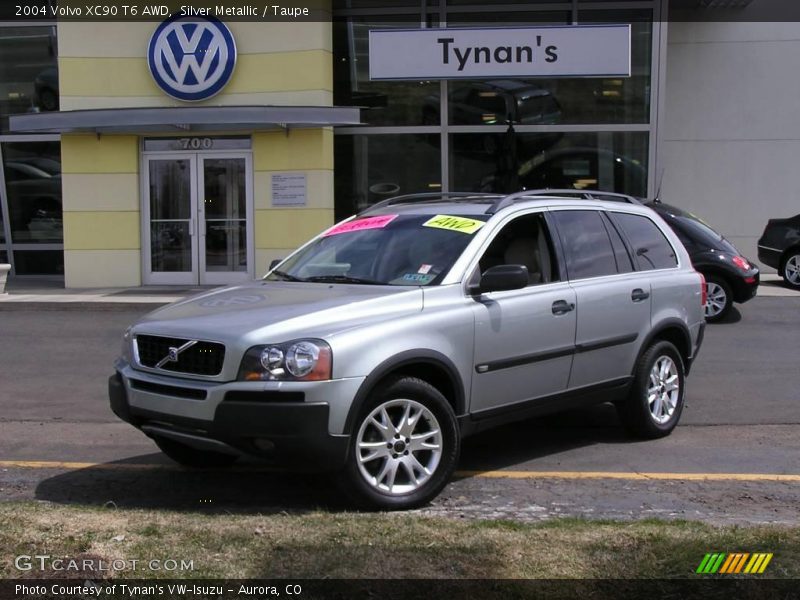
561, 307
639, 294
191, 227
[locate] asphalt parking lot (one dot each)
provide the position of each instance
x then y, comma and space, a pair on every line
733, 458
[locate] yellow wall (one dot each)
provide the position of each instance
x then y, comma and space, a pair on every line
278, 64
278, 230
101, 210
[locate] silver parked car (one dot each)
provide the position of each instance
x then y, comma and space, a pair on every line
378, 345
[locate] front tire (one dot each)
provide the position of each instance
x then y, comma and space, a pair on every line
654, 405
719, 299
404, 448
790, 270
192, 457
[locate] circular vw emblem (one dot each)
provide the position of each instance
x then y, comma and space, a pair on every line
191, 58
232, 301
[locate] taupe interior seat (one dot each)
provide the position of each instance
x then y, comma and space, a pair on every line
524, 251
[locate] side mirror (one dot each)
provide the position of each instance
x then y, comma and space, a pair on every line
501, 278
274, 263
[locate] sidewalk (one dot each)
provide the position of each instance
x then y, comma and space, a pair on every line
48, 293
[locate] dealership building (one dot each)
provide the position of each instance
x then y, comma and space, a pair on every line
194, 153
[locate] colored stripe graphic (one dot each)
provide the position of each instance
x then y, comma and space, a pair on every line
734, 563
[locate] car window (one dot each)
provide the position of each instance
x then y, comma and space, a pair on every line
621, 256
524, 241
650, 248
586, 243
384, 249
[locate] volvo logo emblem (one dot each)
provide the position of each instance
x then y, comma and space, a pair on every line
174, 352
191, 58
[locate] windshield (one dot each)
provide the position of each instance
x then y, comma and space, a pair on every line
384, 250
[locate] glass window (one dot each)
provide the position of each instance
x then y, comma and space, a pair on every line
370, 168
39, 262
624, 264
384, 102
507, 162
586, 244
651, 248
387, 249
33, 187
525, 241
28, 71
3, 249
566, 101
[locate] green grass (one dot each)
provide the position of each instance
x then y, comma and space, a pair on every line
352, 545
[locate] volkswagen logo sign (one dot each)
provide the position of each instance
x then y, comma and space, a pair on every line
191, 58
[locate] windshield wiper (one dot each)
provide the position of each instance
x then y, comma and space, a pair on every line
342, 279
285, 276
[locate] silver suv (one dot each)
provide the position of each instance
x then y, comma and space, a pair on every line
378, 345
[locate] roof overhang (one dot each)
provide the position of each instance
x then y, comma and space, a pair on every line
185, 119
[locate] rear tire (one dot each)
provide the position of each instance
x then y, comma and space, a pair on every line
654, 405
719, 299
790, 269
192, 457
404, 448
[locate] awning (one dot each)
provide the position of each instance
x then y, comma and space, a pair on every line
185, 119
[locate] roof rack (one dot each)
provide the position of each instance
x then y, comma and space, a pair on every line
428, 196
585, 194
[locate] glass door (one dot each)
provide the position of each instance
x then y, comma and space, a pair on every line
170, 240
197, 218
224, 218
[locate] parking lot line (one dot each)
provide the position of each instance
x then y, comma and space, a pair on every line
632, 475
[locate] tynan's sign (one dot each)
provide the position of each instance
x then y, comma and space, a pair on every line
191, 58
489, 53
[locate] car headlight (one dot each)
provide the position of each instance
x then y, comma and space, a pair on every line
300, 360
127, 350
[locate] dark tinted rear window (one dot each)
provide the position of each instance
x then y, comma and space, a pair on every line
586, 244
650, 248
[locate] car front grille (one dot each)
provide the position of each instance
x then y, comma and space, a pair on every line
197, 358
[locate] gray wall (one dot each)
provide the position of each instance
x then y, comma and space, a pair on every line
731, 130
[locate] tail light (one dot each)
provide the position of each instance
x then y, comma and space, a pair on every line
741, 262
703, 290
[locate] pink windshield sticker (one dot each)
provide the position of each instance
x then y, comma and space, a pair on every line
361, 224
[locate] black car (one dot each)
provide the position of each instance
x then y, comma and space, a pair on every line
730, 277
779, 248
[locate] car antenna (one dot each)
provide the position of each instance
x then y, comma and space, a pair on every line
657, 199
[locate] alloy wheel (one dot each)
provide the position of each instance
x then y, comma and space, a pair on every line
716, 299
791, 270
663, 390
399, 446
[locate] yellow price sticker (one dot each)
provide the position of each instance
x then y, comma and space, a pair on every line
452, 223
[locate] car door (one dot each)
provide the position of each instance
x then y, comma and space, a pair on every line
612, 298
524, 339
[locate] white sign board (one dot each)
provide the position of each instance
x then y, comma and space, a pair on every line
489, 53
289, 189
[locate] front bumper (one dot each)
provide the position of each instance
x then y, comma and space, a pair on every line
286, 423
